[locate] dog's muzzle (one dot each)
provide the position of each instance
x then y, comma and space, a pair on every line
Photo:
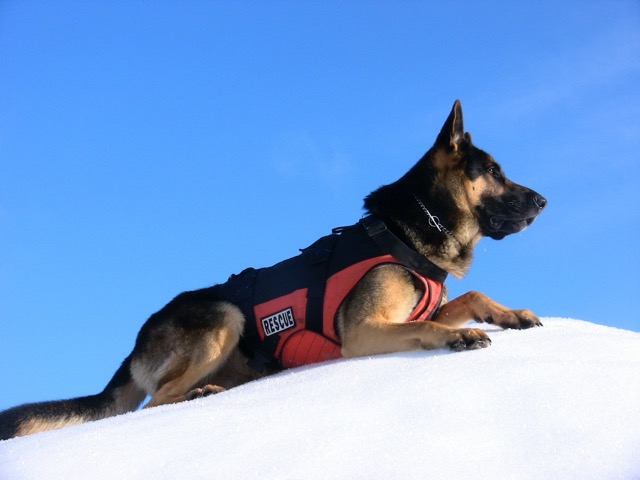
510, 213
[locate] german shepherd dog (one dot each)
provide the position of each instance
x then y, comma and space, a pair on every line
440, 208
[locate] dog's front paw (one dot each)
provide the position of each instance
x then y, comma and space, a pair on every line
524, 319
527, 319
469, 339
516, 319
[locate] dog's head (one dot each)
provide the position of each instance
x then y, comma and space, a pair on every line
500, 206
452, 197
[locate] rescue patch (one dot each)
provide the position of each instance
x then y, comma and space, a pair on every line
278, 322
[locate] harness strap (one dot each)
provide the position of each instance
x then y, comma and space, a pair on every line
388, 242
430, 302
264, 354
321, 252
239, 289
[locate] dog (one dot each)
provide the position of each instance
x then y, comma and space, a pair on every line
374, 287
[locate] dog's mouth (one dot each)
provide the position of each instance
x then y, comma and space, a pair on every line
496, 223
498, 226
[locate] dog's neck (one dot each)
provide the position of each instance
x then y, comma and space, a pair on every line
434, 221
450, 246
451, 250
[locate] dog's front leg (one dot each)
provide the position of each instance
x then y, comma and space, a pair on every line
372, 338
373, 318
479, 307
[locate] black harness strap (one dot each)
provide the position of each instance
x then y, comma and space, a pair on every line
321, 252
239, 289
264, 354
388, 242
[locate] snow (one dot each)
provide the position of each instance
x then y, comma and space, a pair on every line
562, 401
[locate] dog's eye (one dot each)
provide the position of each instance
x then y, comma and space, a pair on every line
494, 171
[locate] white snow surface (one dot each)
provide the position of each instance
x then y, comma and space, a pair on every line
557, 402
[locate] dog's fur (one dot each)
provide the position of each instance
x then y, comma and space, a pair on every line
190, 347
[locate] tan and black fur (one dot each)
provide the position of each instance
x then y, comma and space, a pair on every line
190, 347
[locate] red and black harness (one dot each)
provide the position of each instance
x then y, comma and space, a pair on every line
291, 307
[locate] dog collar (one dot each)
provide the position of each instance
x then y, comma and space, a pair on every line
434, 221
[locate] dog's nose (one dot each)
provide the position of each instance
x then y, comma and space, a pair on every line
540, 201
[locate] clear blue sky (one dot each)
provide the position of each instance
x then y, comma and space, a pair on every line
147, 148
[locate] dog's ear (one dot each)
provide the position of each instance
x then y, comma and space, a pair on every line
452, 133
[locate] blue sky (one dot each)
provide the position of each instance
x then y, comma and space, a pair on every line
147, 148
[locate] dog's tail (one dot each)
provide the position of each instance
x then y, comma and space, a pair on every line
121, 395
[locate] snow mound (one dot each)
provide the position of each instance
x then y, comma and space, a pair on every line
562, 401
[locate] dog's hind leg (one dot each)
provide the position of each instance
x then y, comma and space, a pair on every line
186, 346
121, 395
479, 307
